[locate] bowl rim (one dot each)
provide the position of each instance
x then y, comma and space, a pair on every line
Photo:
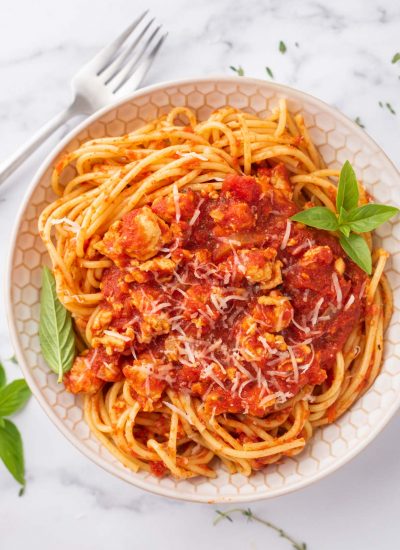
58, 422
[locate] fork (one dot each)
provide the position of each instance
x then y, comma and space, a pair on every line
116, 70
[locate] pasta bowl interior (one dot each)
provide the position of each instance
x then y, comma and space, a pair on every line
337, 437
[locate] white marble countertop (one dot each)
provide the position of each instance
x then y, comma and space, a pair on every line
344, 57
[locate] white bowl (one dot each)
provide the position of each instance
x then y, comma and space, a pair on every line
338, 139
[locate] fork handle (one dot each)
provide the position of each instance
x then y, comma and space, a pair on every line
8, 166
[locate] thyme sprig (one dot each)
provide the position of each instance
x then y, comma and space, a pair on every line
247, 513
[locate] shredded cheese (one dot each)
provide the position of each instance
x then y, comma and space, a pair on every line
115, 334
71, 225
175, 195
314, 316
286, 235
349, 302
178, 411
338, 290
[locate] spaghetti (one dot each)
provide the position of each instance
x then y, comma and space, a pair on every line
209, 323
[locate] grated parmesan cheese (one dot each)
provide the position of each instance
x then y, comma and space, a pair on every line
115, 334
286, 235
338, 290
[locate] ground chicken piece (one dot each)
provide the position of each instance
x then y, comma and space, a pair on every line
171, 348
317, 255
274, 311
278, 177
110, 371
139, 234
163, 267
254, 340
232, 217
145, 298
152, 326
81, 378
256, 265
165, 207
260, 266
114, 341
203, 298
147, 387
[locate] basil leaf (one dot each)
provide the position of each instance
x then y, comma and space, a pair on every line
3, 379
368, 217
13, 397
357, 249
345, 229
347, 192
56, 333
318, 216
11, 450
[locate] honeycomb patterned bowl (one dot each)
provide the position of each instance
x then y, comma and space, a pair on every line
338, 139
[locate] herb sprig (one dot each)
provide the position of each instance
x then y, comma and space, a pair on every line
349, 219
253, 517
13, 397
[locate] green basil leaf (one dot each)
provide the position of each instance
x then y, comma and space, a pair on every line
347, 192
342, 215
345, 229
357, 249
11, 450
13, 397
3, 378
318, 216
370, 216
56, 333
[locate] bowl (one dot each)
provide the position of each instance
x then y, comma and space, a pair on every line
338, 139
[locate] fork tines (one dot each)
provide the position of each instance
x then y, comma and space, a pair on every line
130, 55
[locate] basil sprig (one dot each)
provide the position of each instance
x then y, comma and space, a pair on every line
12, 398
56, 333
349, 219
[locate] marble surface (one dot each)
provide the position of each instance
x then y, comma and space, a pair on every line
343, 57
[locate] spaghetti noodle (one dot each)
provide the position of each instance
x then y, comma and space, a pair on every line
209, 323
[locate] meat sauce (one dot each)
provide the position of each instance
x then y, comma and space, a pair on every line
221, 296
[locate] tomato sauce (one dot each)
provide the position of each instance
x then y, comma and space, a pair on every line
227, 299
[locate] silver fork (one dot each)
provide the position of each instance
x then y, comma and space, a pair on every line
117, 69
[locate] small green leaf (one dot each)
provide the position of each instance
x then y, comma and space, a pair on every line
345, 229
357, 120
56, 333
347, 192
3, 378
13, 359
370, 216
13, 397
396, 57
238, 70
282, 47
269, 72
318, 216
342, 215
390, 108
11, 451
357, 249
